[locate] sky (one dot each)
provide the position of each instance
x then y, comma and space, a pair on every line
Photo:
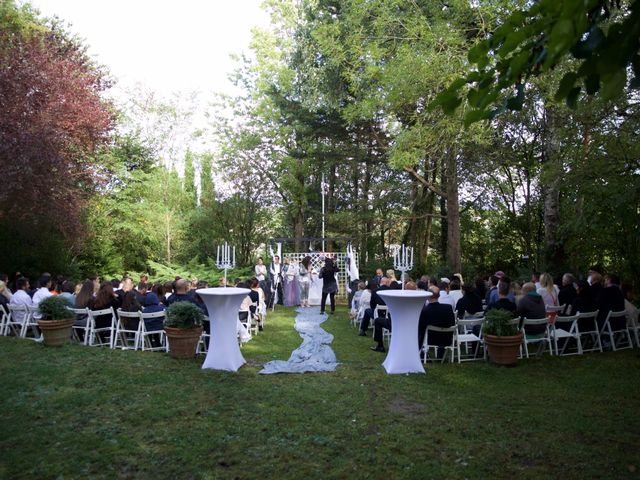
166, 46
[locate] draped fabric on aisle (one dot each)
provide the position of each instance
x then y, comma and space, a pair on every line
315, 354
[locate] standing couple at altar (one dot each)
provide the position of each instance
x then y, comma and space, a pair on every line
292, 283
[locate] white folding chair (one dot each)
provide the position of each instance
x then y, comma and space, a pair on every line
588, 325
127, 334
381, 311
18, 316
615, 326
95, 339
4, 318
144, 334
81, 325
553, 312
466, 336
634, 326
453, 330
540, 338
32, 322
565, 329
203, 343
244, 317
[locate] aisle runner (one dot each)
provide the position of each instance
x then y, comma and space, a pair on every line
315, 354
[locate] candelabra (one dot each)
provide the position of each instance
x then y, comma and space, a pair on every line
226, 259
403, 261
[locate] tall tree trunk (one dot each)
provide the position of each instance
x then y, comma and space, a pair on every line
553, 251
167, 226
453, 214
368, 246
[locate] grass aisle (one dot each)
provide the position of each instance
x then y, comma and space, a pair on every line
79, 412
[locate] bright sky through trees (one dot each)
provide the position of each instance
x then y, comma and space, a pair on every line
163, 45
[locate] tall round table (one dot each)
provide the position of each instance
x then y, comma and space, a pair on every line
223, 305
404, 307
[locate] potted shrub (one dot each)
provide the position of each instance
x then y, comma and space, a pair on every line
56, 322
501, 337
183, 327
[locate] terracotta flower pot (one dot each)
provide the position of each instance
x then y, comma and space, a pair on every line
183, 342
503, 350
56, 332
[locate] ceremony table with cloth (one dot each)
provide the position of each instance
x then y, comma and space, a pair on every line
404, 308
223, 305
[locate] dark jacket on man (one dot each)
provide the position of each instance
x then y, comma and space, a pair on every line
439, 315
532, 306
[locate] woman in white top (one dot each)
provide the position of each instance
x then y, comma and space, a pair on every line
261, 270
548, 291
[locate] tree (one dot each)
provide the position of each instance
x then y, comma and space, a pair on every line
600, 36
53, 121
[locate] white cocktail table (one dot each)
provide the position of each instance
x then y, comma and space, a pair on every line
404, 307
223, 305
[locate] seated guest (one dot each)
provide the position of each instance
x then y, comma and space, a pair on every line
548, 290
126, 286
21, 297
158, 289
469, 303
455, 290
532, 306
391, 275
130, 302
481, 287
68, 288
567, 293
84, 296
106, 298
5, 295
445, 298
597, 284
44, 284
153, 305
141, 292
375, 301
180, 293
584, 303
439, 315
492, 290
611, 299
168, 291
503, 302
83, 299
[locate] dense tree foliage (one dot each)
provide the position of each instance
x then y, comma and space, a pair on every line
340, 90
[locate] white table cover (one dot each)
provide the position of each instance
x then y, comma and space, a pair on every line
223, 305
404, 307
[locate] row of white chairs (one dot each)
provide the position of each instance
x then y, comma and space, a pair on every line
125, 330
554, 336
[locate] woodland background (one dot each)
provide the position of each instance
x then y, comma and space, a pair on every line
341, 88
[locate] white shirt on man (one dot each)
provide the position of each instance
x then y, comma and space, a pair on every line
20, 298
447, 299
41, 294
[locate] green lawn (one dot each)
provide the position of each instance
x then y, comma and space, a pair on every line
80, 412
